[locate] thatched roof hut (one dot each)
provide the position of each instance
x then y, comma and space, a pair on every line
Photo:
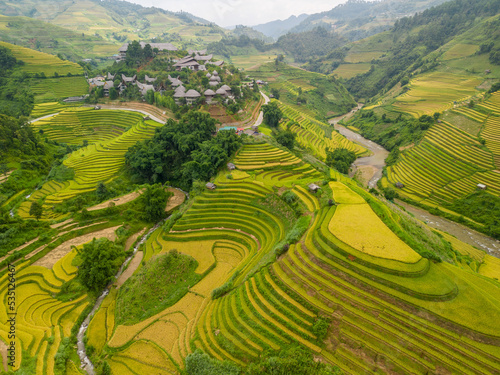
211, 186
314, 188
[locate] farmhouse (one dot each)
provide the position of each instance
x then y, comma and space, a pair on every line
191, 96
128, 80
231, 166
144, 88
314, 188
211, 186
209, 95
174, 81
187, 62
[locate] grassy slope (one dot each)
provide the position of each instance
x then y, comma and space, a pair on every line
50, 89
32, 33
120, 18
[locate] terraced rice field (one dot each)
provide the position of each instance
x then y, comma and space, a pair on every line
311, 134
460, 51
436, 92
447, 164
42, 321
394, 304
44, 109
264, 156
50, 89
113, 132
84, 123
39, 62
348, 71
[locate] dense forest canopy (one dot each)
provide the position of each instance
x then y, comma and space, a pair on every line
16, 98
184, 151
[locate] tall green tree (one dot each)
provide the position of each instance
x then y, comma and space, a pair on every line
101, 259
272, 114
154, 201
286, 138
36, 210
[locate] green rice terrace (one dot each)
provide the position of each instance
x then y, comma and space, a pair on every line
277, 220
109, 134
370, 287
451, 160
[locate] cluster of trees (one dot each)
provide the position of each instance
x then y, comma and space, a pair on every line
226, 46
16, 97
392, 133
483, 208
286, 138
272, 114
340, 159
184, 151
136, 55
100, 260
17, 139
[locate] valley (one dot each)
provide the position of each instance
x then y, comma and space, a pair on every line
312, 196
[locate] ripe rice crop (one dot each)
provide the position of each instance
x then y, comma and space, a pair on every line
96, 333
162, 333
436, 92
359, 227
343, 194
199, 250
39, 62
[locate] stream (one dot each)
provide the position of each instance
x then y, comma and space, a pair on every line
371, 166
86, 363
375, 164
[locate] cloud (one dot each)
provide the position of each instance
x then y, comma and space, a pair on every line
250, 12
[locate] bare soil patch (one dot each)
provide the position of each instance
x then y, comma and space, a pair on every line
3, 352
133, 238
59, 252
406, 147
117, 201
58, 225
133, 265
5, 176
365, 173
78, 228
176, 200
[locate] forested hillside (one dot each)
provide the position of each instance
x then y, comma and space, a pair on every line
118, 21
409, 44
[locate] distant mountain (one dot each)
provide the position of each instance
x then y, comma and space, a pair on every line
358, 19
250, 32
118, 21
275, 29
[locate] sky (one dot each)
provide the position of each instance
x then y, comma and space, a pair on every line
243, 12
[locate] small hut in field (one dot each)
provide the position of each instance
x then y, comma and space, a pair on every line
314, 188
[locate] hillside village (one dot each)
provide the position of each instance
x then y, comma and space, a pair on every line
195, 61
